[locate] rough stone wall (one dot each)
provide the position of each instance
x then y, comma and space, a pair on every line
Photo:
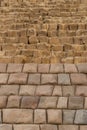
43, 31
43, 97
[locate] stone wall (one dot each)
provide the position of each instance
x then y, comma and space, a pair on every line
43, 97
43, 31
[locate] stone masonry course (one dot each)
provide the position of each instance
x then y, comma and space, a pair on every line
51, 99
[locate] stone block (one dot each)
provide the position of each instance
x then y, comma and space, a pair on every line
9, 90
81, 91
62, 102
44, 90
31, 67
26, 127
49, 79
18, 78
34, 79
13, 101
39, 116
3, 101
81, 117
68, 90
64, 79
5, 127
75, 102
68, 127
54, 116
82, 67
3, 78
47, 102
57, 91
43, 68
3, 67
18, 116
14, 68
48, 127
30, 102
68, 116
27, 90
56, 68
70, 68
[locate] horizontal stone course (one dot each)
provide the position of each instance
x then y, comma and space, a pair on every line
43, 100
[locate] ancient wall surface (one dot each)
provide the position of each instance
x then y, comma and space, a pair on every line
43, 31
43, 96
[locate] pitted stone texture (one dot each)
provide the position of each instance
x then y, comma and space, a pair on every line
68, 127
43, 68
29, 102
18, 116
81, 117
44, 90
68, 116
63, 79
57, 91
3, 67
56, 68
49, 79
48, 127
40, 116
81, 90
26, 127
70, 68
27, 90
47, 102
68, 90
9, 90
3, 78
54, 116
3, 100
32, 68
78, 79
34, 79
5, 127
75, 102
62, 102
13, 102
18, 78
82, 68
14, 68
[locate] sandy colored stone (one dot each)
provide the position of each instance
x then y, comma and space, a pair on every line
31, 67
48, 127
3, 101
68, 90
44, 90
68, 127
54, 116
26, 127
81, 91
57, 91
40, 116
62, 102
5, 127
34, 79
27, 90
17, 116
14, 68
64, 79
43, 68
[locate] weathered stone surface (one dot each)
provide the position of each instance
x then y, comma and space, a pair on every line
57, 91
75, 103
3, 100
18, 78
81, 117
14, 68
5, 127
83, 127
3, 78
68, 116
78, 79
30, 68
49, 79
62, 102
40, 116
54, 116
82, 68
56, 68
43, 68
81, 91
13, 102
70, 68
9, 90
3, 67
17, 116
29, 102
0, 117
44, 90
68, 127
47, 102
34, 79
27, 90
68, 90
63, 79
26, 127
48, 127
